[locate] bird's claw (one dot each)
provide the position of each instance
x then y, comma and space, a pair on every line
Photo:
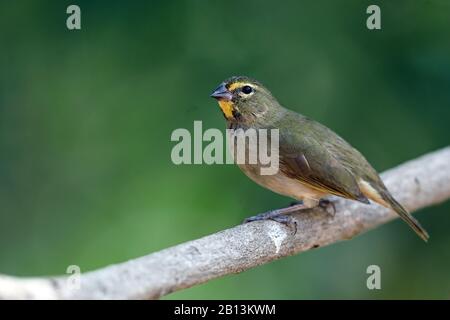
328, 206
274, 216
288, 221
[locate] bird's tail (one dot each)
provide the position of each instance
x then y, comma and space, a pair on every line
406, 216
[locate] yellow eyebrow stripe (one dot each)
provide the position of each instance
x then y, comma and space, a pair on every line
237, 85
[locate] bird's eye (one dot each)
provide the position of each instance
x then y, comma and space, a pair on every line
247, 89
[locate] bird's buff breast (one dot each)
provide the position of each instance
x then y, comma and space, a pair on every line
279, 182
282, 184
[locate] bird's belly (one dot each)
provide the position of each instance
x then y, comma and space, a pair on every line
282, 184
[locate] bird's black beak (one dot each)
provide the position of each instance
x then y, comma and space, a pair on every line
222, 93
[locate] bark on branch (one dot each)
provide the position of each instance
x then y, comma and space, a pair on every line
417, 184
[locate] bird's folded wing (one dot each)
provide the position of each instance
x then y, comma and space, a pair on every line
314, 165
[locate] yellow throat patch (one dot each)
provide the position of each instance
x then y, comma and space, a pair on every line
227, 108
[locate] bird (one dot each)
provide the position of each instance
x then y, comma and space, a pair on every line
314, 161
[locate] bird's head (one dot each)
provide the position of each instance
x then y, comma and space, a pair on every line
243, 99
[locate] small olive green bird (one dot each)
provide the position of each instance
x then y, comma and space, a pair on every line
314, 162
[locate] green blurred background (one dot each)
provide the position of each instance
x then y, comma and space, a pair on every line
86, 117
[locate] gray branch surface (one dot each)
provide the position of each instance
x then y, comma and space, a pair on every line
417, 184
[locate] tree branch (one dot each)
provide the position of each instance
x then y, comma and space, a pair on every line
418, 183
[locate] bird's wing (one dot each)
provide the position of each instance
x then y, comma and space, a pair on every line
312, 159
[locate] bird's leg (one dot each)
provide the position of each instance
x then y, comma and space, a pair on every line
279, 215
273, 214
328, 206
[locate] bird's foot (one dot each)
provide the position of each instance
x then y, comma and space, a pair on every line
279, 215
328, 206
